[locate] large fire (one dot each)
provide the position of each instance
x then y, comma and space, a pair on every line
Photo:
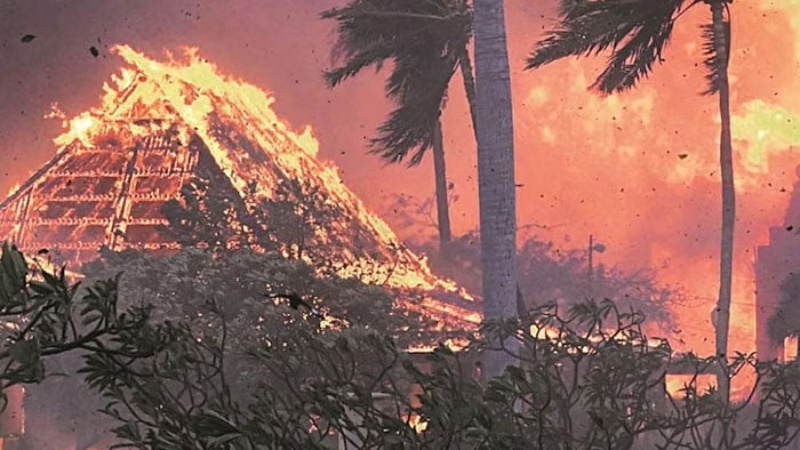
637, 170
117, 162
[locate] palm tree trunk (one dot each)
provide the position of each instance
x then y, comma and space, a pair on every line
496, 188
465, 65
442, 207
721, 44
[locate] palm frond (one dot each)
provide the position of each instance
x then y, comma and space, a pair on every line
405, 133
635, 59
424, 39
712, 58
372, 55
419, 87
636, 31
365, 24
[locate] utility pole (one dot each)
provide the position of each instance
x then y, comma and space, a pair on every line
591, 250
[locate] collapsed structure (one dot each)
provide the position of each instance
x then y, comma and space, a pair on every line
159, 126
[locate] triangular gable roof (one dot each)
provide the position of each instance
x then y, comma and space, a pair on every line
161, 124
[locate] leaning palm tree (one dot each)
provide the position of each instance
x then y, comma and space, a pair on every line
637, 32
427, 42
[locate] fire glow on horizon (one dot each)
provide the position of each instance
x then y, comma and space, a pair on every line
640, 169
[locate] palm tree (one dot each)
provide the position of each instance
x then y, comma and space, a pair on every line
496, 187
427, 42
637, 32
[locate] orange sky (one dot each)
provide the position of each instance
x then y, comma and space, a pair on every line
607, 166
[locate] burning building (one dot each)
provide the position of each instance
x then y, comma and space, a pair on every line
774, 263
160, 125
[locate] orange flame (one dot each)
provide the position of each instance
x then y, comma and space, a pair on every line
676, 384
417, 423
13, 189
452, 344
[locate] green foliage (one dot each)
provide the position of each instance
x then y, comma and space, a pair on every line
176, 399
183, 287
212, 215
13, 278
588, 379
293, 240
44, 315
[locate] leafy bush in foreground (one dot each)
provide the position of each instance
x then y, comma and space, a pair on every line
586, 379
44, 315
